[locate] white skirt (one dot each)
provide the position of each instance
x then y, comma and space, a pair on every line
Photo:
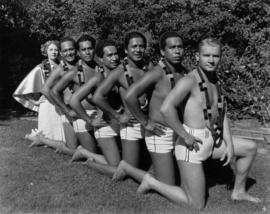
49, 122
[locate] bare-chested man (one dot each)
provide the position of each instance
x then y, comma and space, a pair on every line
204, 133
105, 130
69, 61
72, 80
131, 70
158, 136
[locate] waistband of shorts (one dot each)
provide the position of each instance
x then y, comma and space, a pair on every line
89, 111
196, 131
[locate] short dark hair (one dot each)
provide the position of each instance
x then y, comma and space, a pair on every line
209, 41
84, 38
67, 39
101, 45
166, 35
134, 34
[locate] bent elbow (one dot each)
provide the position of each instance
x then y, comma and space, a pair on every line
164, 109
129, 96
44, 91
96, 98
54, 92
72, 102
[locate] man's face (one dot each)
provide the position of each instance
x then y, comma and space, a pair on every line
173, 50
110, 57
86, 51
135, 50
68, 51
209, 57
52, 52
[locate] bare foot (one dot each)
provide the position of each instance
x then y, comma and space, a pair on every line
89, 162
36, 140
120, 173
243, 196
145, 185
78, 154
61, 148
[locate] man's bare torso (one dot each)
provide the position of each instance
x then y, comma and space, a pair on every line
193, 106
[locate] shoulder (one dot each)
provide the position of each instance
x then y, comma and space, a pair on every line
39, 66
118, 69
188, 81
156, 71
117, 72
97, 76
70, 75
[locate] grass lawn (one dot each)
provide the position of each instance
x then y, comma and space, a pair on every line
38, 180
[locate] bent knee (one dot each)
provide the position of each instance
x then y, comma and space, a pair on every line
245, 147
251, 147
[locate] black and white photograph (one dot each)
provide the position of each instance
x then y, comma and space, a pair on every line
135, 106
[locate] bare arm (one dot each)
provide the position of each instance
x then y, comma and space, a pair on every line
103, 90
227, 137
58, 89
50, 82
136, 90
181, 91
171, 103
81, 94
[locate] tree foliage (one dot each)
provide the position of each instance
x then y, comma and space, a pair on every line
241, 25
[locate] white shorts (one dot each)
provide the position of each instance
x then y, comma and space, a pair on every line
205, 149
79, 125
112, 130
159, 144
134, 132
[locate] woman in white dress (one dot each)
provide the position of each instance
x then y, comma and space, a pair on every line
29, 93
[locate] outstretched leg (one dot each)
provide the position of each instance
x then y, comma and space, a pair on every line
82, 153
125, 169
100, 167
39, 139
245, 152
192, 190
111, 153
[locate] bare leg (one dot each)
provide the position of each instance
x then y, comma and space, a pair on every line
100, 167
70, 136
125, 169
39, 139
110, 150
245, 152
192, 191
163, 167
59, 146
81, 153
34, 136
130, 151
87, 141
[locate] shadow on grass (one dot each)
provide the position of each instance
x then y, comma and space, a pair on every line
216, 174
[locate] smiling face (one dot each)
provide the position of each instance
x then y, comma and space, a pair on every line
86, 51
173, 50
135, 49
52, 52
68, 51
209, 57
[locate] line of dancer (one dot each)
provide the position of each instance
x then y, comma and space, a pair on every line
110, 112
